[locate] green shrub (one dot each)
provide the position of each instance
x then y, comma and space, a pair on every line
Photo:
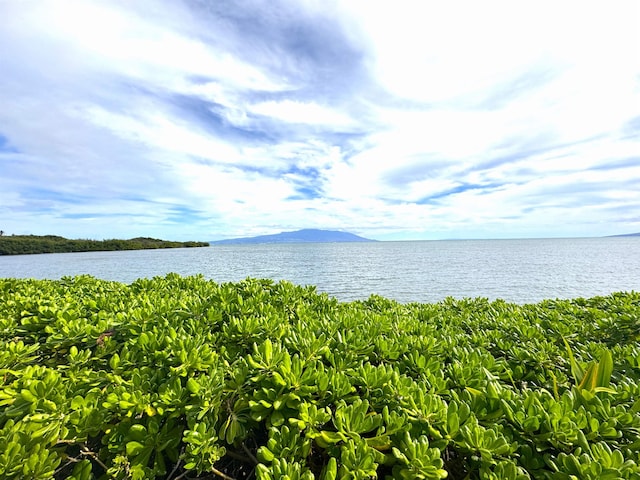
180, 377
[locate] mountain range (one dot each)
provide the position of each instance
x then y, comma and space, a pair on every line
307, 235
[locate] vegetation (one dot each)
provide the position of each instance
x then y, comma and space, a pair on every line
23, 244
180, 377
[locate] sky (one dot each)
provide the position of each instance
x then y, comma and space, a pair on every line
403, 120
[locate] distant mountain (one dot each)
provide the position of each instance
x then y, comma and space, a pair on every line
308, 235
628, 235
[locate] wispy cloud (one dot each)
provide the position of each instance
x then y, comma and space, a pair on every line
197, 119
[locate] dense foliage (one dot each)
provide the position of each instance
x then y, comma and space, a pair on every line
23, 244
175, 378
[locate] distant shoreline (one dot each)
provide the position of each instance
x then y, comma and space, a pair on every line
36, 244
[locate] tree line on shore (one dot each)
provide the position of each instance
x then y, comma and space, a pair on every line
29, 244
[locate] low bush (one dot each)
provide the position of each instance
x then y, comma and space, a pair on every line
180, 377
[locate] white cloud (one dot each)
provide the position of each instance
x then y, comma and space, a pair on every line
160, 132
404, 119
303, 112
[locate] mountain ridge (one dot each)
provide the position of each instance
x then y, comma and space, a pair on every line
637, 234
306, 235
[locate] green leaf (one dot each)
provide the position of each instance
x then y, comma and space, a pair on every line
28, 396
330, 470
605, 368
598, 374
77, 403
134, 448
137, 432
268, 350
332, 437
265, 455
576, 369
192, 385
114, 361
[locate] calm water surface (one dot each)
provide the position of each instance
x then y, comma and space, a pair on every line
520, 271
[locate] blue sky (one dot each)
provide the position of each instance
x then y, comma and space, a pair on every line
203, 119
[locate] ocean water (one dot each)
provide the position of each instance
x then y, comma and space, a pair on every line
519, 271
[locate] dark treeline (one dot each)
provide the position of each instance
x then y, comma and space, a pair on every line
27, 244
